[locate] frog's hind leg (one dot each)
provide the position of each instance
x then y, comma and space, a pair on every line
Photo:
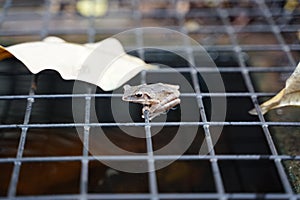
164, 106
158, 109
167, 103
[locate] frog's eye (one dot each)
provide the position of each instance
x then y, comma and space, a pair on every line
138, 94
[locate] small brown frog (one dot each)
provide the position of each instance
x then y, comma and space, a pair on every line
157, 98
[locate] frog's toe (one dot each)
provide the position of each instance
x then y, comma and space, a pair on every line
152, 115
174, 108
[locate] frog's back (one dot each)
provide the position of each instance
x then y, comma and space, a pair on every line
163, 86
155, 89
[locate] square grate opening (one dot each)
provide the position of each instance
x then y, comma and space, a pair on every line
255, 45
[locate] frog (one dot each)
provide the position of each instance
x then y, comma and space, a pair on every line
157, 98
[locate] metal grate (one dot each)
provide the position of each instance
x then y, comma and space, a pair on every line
251, 41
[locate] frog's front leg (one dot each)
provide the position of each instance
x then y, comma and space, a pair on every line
151, 115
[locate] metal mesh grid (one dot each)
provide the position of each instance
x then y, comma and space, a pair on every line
276, 22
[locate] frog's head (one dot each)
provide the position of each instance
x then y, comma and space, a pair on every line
138, 94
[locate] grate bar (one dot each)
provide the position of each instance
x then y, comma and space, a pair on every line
228, 48
208, 139
156, 157
72, 125
91, 31
286, 49
207, 29
17, 164
280, 168
237, 196
224, 16
209, 69
276, 30
150, 159
46, 19
5, 8
12, 190
232, 94
85, 150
